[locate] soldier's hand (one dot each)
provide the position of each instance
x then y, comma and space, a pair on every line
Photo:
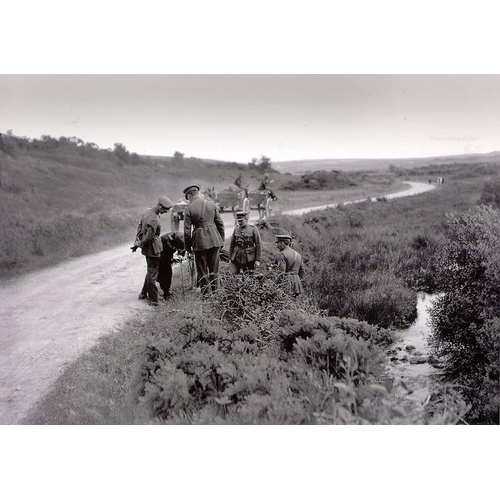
257, 263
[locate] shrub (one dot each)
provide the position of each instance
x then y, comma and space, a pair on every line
253, 299
465, 318
491, 193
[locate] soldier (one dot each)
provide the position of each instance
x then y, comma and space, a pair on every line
172, 242
290, 262
245, 245
203, 235
148, 239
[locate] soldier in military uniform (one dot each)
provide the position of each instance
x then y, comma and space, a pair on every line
148, 239
245, 246
290, 263
203, 235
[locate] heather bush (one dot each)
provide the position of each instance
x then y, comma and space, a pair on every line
465, 318
253, 300
491, 193
310, 370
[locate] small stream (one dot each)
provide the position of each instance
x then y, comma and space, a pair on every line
408, 366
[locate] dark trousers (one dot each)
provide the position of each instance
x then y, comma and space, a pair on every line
165, 274
150, 289
207, 269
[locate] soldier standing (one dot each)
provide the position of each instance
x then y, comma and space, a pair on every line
148, 239
203, 235
245, 245
290, 262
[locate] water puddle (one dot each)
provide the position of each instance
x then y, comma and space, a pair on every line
409, 363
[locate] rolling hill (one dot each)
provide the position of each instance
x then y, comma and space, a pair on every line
299, 167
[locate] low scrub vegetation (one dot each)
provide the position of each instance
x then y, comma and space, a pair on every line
465, 318
321, 180
288, 365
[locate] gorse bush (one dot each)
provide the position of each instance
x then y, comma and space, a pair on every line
250, 299
465, 318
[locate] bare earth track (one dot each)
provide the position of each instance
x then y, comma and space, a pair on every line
51, 317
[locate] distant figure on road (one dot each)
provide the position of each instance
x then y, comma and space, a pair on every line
245, 246
148, 239
239, 182
172, 242
290, 262
264, 186
203, 235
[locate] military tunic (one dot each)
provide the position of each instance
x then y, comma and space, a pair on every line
148, 239
245, 248
290, 262
204, 235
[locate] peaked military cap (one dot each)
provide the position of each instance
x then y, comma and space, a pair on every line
241, 214
286, 238
165, 202
193, 187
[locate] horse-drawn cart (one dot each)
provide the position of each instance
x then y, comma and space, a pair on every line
237, 200
261, 200
233, 200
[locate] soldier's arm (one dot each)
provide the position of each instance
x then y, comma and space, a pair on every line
258, 245
280, 261
219, 223
301, 270
232, 244
148, 237
187, 230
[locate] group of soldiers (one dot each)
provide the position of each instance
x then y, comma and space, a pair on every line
203, 238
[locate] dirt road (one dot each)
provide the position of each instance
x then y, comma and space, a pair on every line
51, 317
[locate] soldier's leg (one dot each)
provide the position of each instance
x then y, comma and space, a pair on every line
213, 256
151, 277
201, 261
233, 268
165, 276
144, 292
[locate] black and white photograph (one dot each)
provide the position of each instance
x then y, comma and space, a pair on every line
208, 253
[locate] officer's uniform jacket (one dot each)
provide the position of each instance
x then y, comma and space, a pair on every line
247, 237
148, 234
203, 226
290, 262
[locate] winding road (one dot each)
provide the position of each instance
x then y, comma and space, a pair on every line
51, 317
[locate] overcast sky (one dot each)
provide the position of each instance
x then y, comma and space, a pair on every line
237, 117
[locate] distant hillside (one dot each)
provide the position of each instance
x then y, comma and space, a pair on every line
299, 167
